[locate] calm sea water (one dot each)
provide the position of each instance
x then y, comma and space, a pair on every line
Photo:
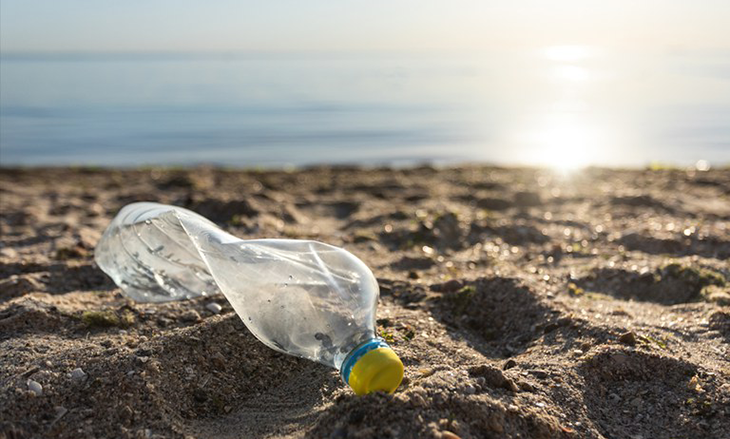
562, 107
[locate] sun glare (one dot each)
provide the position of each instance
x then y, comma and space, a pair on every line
565, 138
565, 146
565, 141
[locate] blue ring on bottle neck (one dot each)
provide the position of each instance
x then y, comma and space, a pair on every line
358, 353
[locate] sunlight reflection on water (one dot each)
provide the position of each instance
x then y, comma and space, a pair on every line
564, 137
572, 122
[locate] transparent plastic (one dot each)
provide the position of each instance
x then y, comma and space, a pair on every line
303, 298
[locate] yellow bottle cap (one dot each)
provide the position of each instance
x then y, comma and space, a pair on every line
379, 369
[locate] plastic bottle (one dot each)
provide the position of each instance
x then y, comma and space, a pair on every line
303, 298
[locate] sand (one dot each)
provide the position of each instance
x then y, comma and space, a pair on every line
524, 304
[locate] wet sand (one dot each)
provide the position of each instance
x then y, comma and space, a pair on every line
522, 303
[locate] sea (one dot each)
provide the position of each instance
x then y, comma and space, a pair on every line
563, 106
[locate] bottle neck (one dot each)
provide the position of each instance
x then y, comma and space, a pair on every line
357, 353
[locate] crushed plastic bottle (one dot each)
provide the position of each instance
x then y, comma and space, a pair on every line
299, 297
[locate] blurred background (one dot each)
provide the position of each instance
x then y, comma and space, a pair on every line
563, 84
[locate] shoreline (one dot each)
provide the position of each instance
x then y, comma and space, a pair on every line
384, 166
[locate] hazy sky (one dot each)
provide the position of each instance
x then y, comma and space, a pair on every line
290, 25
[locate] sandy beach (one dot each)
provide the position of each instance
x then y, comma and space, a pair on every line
523, 303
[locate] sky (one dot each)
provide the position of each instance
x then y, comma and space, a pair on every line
347, 25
